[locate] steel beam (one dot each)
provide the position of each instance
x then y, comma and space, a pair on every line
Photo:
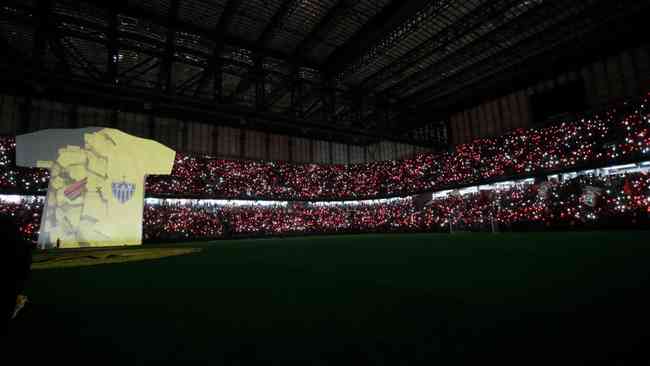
570, 28
219, 35
88, 67
43, 11
391, 17
165, 77
288, 6
128, 8
479, 46
497, 77
256, 77
325, 25
112, 47
439, 41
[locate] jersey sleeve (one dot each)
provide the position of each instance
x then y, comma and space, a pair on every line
31, 153
40, 149
160, 158
152, 157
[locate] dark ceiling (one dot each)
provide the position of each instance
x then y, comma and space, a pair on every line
339, 69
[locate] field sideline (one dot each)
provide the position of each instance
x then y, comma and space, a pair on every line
367, 299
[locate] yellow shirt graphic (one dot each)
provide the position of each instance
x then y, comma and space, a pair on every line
96, 191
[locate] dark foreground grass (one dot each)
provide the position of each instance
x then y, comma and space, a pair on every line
56, 259
378, 299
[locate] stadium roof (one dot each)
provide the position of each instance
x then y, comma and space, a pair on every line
339, 69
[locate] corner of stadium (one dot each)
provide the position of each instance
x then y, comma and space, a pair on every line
325, 182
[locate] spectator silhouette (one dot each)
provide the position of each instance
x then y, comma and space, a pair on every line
17, 259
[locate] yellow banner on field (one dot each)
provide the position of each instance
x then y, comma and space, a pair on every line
96, 191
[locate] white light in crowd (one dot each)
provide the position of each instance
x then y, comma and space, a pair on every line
11, 198
211, 202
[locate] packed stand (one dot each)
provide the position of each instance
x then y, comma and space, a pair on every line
26, 214
622, 200
620, 134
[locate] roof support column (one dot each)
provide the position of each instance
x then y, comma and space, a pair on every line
259, 78
112, 54
165, 78
296, 94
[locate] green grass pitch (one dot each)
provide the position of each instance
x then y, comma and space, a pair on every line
364, 299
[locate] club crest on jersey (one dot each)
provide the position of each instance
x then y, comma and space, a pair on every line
123, 191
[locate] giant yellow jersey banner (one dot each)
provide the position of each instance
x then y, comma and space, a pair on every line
96, 190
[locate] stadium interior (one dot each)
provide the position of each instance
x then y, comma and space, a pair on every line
367, 181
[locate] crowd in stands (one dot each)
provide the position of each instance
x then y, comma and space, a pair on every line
600, 139
619, 134
26, 214
181, 222
552, 204
561, 205
623, 199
